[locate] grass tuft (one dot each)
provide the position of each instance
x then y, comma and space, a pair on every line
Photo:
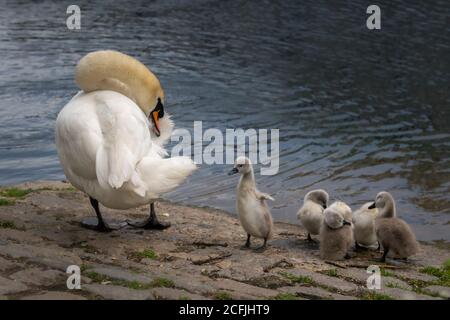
146, 253
442, 273
222, 295
297, 279
162, 282
377, 296
15, 193
6, 202
331, 272
7, 225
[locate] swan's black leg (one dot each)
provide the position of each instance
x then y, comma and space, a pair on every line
151, 222
99, 224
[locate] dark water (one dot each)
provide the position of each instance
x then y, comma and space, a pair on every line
358, 111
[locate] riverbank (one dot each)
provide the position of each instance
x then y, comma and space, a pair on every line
198, 257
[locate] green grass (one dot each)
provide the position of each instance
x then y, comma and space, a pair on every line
442, 273
6, 202
7, 225
162, 282
377, 296
15, 193
395, 285
331, 272
146, 253
157, 282
297, 279
285, 296
184, 298
221, 295
386, 273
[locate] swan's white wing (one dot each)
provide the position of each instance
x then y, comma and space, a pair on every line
161, 175
126, 141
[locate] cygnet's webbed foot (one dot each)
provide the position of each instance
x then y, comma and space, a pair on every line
92, 223
347, 256
246, 246
151, 222
263, 247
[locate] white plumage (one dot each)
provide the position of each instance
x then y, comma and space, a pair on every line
104, 138
105, 148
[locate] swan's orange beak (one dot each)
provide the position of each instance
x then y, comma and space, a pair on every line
155, 119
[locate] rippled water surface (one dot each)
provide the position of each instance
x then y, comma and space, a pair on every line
358, 111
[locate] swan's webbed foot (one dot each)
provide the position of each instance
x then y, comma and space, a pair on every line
98, 224
92, 223
151, 222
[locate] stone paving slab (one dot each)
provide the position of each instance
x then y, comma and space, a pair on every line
198, 257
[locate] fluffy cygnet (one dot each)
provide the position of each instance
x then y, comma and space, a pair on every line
393, 233
311, 213
253, 212
364, 226
336, 235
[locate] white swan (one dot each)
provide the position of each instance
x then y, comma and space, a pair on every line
107, 146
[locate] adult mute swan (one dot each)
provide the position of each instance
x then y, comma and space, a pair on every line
110, 137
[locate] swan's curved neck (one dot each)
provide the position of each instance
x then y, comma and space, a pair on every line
112, 70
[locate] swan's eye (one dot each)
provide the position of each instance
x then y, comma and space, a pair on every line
160, 108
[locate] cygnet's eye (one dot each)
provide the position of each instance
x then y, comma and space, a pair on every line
240, 165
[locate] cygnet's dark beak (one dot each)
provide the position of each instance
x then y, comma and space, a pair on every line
324, 205
347, 223
372, 206
233, 171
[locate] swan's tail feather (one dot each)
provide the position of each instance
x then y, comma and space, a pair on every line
161, 175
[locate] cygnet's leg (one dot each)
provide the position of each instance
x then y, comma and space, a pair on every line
379, 246
309, 237
263, 247
383, 258
358, 247
347, 256
247, 243
98, 224
151, 222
